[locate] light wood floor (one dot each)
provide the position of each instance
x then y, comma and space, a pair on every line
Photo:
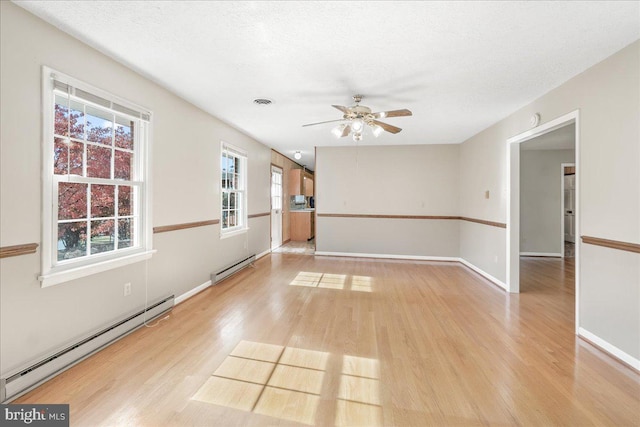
303, 340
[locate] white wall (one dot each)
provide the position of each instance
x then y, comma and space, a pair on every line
541, 199
420, 180
364, 180
185, 148
608, 99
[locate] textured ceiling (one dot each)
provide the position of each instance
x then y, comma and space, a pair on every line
459, 66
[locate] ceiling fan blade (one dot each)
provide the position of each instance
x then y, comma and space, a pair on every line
393, 113
319, 123
386, 126
341, 108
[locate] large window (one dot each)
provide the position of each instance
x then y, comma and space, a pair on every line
233, 184
95, 177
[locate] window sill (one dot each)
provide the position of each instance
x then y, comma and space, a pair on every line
226, 234
64, 276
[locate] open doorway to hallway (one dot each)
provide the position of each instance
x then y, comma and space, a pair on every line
535, 222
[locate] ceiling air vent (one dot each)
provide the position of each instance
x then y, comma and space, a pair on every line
262, 101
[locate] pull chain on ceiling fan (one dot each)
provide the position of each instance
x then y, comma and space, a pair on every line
358, 116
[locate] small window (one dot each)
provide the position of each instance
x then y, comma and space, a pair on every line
233, 184
94, 168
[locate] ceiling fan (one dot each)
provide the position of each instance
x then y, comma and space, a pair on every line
357, 116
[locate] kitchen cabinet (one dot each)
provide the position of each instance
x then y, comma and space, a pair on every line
300, 182
302, 225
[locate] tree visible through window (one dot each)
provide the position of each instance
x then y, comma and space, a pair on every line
95, 214
233, 185
94, 195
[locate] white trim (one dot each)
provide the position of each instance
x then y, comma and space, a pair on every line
544, 254
232, 233
87, 270
387, 256
261, 254
193, 292
419, 258
53, 271
243, 156
610, 348
483, 273
513, 201
550, 126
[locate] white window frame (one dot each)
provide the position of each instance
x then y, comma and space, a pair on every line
54, 272
242, 217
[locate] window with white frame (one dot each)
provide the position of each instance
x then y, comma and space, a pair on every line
95, 179
233, 184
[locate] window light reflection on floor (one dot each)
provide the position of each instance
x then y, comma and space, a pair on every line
359, 393
270, 380
333, 281
286, 383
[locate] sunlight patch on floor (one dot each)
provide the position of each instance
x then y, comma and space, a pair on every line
359, 392
333, 281
287, 382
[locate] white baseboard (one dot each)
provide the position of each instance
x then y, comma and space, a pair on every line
547, 254
483, 273
610, 348
387, 256
419, 258
261, 254
192, 292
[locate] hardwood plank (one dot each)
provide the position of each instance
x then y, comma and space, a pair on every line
429, 343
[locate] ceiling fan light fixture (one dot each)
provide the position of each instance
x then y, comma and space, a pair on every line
357, 136
297, 155
337, 131
357, 125
376, 130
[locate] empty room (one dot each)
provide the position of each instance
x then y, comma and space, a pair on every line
319, 213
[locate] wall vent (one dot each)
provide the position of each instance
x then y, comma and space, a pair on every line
229, 270
18, 383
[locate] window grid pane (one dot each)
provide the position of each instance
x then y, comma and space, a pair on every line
93, 143
232, 185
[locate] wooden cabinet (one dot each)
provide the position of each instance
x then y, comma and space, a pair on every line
307, 186
300, 182
302, 225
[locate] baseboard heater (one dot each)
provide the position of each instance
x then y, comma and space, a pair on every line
18, 383
228, 271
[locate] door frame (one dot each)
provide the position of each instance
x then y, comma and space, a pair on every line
281, 172
513, 201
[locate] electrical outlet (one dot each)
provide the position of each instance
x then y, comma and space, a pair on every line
127, 289
486, 194
495, 258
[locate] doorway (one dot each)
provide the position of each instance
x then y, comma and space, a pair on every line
276, 207
568, 211
514, 146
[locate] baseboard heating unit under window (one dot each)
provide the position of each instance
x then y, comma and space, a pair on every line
18, 383
229, 270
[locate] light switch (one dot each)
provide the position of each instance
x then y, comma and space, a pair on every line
486, 194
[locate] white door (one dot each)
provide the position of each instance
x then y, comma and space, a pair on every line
276, 207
